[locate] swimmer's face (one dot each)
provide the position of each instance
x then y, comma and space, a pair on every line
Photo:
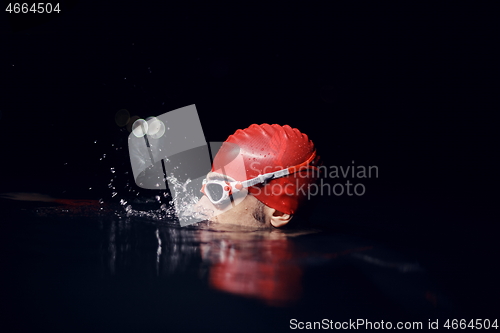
248, 212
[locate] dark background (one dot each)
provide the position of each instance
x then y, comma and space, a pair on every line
406, 87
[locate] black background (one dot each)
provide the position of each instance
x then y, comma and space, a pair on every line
406, 87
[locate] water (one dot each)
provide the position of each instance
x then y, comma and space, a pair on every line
88, 265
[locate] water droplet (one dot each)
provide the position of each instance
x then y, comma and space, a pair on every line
113, 194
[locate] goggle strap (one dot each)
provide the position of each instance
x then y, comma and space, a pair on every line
257, 180
280, 173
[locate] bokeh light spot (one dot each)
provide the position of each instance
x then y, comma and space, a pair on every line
156, 128
140, 128
131, 122
122, 117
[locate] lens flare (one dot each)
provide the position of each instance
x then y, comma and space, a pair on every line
156, 128
140, 128
131, 122
122, 117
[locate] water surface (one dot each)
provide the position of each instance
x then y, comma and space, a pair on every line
81, 265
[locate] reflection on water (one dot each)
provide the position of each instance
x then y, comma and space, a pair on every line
271, 265
275, 267
267, 265
261, 264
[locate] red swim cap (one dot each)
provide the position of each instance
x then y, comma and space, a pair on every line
267, 148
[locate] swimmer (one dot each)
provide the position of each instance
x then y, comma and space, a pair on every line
275, 167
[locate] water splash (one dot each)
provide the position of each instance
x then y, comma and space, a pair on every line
158, 206
181, 206
185, 201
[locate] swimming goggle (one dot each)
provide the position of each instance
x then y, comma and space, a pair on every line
219, 191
